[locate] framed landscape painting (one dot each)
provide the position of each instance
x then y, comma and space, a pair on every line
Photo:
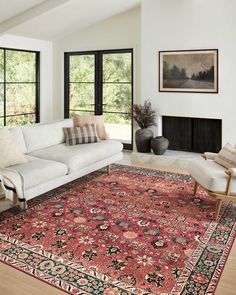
188, 71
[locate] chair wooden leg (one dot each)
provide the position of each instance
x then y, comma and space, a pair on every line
195, 187
108, 169
217, 211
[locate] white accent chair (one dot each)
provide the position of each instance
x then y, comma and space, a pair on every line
218, 181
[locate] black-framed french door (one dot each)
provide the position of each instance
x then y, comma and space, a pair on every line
101, 82
19, 86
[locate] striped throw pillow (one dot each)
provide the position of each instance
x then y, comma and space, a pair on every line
227, 156
79, 135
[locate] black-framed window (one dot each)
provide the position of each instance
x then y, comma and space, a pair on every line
19, 87
101, 82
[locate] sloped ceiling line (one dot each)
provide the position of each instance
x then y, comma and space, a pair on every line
29, 14
54, 19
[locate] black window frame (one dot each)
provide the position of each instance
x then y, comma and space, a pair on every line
37, 85
98, 82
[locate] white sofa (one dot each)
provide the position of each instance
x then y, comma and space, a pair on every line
51, 163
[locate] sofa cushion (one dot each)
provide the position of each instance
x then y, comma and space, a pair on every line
10, 153
79, 156
210, 175
37, 171
39, 136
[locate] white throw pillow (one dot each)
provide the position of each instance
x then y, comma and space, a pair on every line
227, 156
10, 154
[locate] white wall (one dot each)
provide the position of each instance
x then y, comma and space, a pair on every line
45, 48
191, 24
121, 31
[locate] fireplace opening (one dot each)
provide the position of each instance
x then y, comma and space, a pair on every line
193, 134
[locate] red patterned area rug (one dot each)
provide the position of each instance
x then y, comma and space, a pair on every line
135, 231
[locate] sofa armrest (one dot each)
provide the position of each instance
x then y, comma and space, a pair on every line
231, 172
209, 156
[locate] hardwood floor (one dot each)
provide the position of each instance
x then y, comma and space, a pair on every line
227, 283
14, 282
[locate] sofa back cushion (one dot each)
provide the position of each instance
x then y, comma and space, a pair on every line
39, 136
17, 135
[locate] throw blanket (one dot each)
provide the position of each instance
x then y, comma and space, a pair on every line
12, 186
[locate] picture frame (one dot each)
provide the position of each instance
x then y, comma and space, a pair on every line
194, 71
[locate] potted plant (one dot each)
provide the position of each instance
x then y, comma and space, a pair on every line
145, 117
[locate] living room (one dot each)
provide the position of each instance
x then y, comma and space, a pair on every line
60, 34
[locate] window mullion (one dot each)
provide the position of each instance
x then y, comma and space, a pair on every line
37, 87
98, 83
66, 85
4, 87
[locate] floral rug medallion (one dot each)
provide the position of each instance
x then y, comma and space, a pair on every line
135, 231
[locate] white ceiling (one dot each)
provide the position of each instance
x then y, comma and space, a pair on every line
10, 8
67, 17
